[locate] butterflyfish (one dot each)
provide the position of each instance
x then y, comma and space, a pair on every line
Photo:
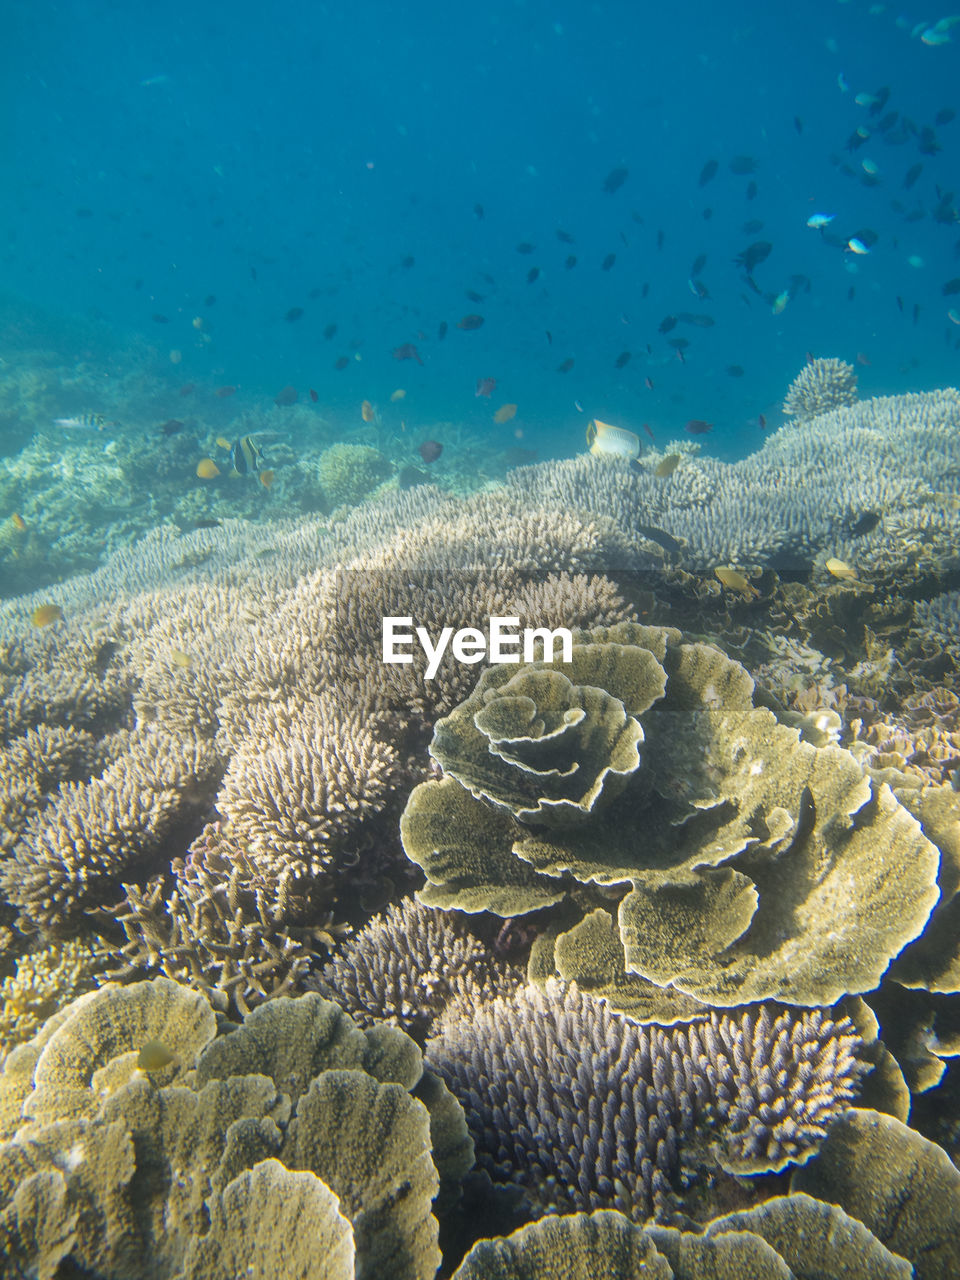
612, 442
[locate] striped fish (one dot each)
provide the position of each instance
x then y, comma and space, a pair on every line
246, 455
82, 422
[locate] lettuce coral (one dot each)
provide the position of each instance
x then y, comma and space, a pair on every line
749, 863
296, 1121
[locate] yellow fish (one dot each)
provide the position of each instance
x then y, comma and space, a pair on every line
179, 658
207, 469
154, 1056
399, 394
668, 466
612, 442
44, 614
736, 581
224, 443
840, 569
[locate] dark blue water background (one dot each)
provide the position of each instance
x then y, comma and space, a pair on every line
296, 155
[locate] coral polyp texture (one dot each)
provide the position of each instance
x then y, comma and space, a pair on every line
408, 964
822, 385
585, 1109
749, 864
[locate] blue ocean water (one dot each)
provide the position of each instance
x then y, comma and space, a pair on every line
226, 182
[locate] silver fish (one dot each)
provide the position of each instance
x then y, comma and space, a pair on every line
82, 422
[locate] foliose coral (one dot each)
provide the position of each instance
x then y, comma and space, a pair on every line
788, 1238
821, 385
750, 864
586, 1109
136, 1165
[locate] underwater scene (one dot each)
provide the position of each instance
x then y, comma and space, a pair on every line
479, 641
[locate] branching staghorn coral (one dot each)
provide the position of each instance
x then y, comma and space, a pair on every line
72, 854
820, 386
585, 1109
408, 965
219, 922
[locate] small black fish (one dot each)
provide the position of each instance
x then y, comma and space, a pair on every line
952, 286
708, 172
798, 124
912, 174
207, 524
615, 179
735, 370
171, 427
532, 274
478, 212
667, 323
104, 656
622, 359
293, 315
442, 330
753, 255
608, 262
699, 262
743, 165
564, 236
660, 537
565, 365
473, 295
329, 331
407, 262
944, 115
525, 247
752, 190
866, 524
571, 262
341, 362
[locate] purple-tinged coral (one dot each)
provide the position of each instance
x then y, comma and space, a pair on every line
586, 1109
408, 964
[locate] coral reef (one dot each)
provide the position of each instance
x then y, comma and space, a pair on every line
694, 842
789, 1236
902, 1187
44, 980
820, 386
349, 472
585, 1109
296, 1117
408, 965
